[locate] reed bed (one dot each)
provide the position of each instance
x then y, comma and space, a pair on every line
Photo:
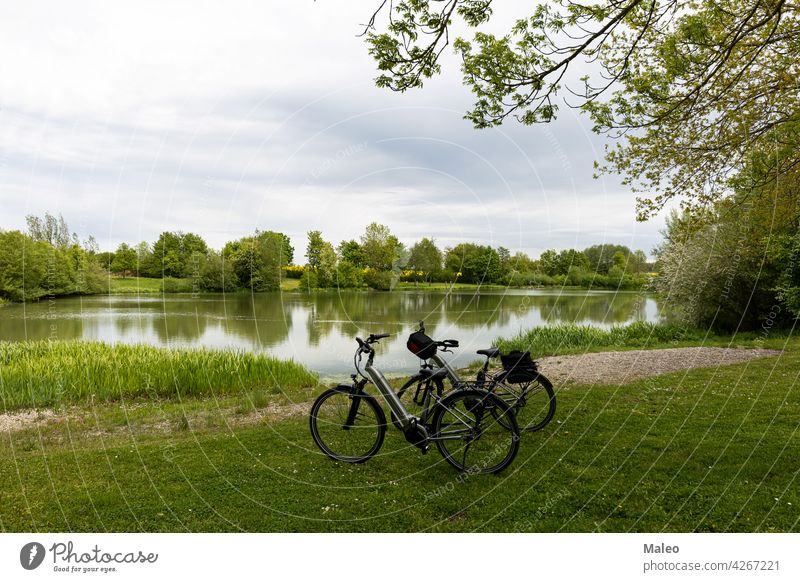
48, 374
562, 339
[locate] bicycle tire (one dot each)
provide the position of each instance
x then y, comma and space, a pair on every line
534, 402
458, 425
344, 433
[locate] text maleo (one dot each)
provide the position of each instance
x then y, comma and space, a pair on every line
660, 549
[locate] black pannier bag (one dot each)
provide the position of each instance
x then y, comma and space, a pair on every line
519, 367
421, 345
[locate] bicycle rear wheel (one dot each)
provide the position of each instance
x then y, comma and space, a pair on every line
534, 402
347, 427
475, 431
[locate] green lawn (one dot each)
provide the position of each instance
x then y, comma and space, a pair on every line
704, 450
408, 286
290, 284
119, 285
136, 285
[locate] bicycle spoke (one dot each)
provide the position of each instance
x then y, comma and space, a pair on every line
464, 457
344, 433
475, 432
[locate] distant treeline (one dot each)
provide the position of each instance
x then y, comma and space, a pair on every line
48, 260
379, 260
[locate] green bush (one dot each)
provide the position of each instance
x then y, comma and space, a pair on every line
575, 275
30, 269
527, 279
215, 273
348, 276
309, 281
293, 271
380, 280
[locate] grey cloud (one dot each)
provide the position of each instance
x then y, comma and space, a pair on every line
316, 150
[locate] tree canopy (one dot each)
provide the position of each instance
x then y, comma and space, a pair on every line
425, 256
124, 260
690, 87
380, 248
50, 229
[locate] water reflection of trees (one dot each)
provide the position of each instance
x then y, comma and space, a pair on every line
264, 320
261, 318
605, 308
343, 312
355, 312
40, 327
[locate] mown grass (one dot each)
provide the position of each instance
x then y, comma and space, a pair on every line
709, 449
120, 285
135, 285
48, 374
567, 338
408, 285
290, 284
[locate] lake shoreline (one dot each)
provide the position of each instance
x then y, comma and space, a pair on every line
42, 374
318, 329
612, 368
152, 286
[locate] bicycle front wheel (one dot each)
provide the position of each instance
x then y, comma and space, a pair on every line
347, 427
475, 431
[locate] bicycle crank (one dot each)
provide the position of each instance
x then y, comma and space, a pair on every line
417, 435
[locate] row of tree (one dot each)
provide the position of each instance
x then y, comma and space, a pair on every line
50, 260
253, 262
31, 268
379, 260
179, 254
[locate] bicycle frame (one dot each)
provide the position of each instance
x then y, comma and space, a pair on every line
405, 418
451, 372
483, 379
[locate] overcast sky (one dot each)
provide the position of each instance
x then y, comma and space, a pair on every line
131, 118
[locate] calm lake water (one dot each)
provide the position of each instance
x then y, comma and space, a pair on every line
318, 329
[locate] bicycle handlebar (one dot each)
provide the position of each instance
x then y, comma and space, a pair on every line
364, 345
450, 343
365, 348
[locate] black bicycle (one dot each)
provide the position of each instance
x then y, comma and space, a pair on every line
520, 383
474, 430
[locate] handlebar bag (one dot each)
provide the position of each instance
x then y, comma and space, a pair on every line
421, 345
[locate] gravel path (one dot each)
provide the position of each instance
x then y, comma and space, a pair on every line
618, 368
17, 420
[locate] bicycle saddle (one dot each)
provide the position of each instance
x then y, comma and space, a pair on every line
490, 352
437, 374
